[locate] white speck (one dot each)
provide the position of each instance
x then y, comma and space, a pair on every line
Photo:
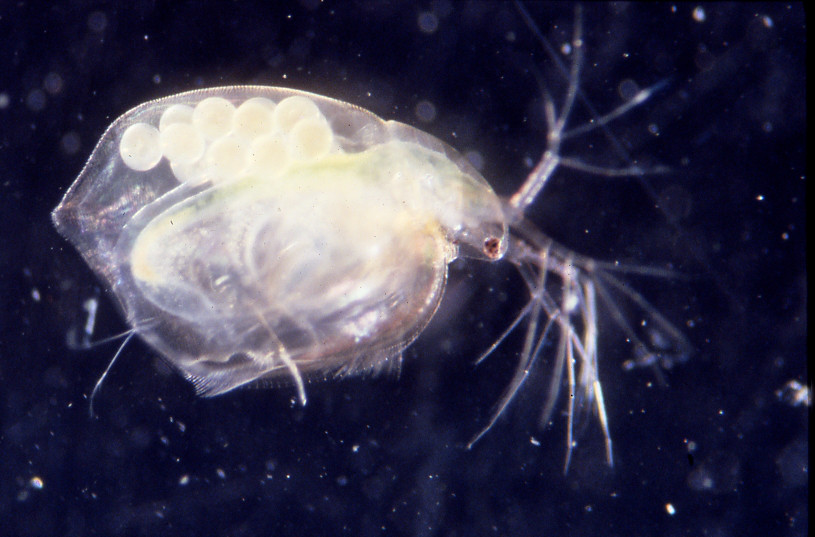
794, 393
90, 305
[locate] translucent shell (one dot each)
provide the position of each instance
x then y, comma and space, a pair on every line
253, 231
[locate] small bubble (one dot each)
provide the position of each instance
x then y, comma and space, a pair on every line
35, 100
628, 89
70, 143
36, 482
425, 111
52, 83
97, 22
793, 464
475, 158
428, 22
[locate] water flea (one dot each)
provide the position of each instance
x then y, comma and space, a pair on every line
253, 233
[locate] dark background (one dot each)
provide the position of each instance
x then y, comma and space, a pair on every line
384, 456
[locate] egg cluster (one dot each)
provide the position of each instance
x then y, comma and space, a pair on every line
217, 141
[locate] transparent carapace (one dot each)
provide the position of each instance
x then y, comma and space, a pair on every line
253, 232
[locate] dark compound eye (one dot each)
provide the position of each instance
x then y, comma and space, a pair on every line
492, 247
